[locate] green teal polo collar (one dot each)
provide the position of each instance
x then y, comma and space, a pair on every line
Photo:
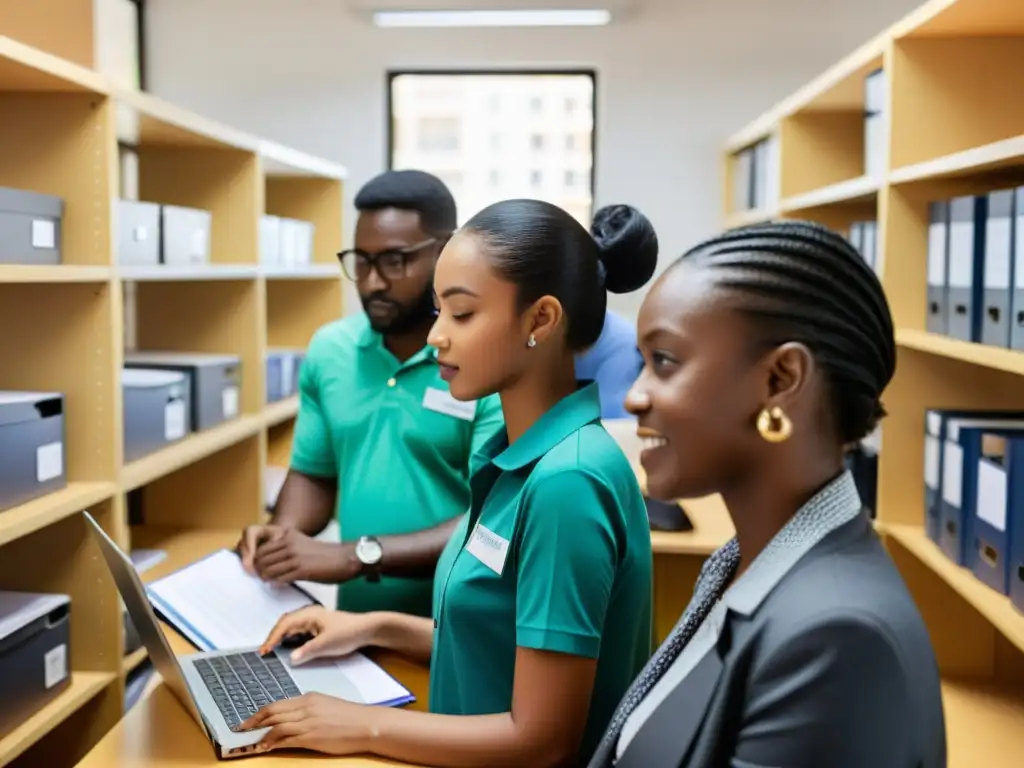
371, 339
568, 415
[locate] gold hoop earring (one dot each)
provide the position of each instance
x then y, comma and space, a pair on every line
774, 425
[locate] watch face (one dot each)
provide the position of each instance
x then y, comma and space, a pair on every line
369, 551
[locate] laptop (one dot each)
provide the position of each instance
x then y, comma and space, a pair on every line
220, 689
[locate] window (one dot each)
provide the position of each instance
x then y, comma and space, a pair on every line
480, 137
571, 106
437, 134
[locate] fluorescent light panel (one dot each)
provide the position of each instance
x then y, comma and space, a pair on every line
523, 18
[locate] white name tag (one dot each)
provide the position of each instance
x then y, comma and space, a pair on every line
488, 547
442, 402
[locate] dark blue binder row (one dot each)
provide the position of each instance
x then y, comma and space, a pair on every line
974, 494
875, 84
976, 268
864, 237
862, 461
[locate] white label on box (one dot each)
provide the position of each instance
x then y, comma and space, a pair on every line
44, 234
229, 402
141, 234
287, 374
953, 474
174, 420
55, 665
49, 461
931, 462
199, 244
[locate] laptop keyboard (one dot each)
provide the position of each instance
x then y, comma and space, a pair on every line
244, 683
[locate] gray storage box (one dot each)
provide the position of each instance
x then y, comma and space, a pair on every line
185, 236
30, 227
35, 635
31, 446
138, 233
283, 373
156, 410
215, 382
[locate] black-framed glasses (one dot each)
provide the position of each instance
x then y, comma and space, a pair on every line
390, 264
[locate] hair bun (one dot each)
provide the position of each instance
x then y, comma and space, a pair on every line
628, 247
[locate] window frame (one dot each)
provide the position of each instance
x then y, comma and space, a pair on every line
389, 114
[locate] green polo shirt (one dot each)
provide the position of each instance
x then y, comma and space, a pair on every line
555, 555
395, 438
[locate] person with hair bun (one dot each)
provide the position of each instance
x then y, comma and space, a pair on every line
542, 596
766, 350
614, 361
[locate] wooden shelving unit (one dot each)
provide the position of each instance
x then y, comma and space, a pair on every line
954, 128
60, 136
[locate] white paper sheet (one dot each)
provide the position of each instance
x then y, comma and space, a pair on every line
219, 606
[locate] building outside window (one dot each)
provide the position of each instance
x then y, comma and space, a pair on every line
447, 124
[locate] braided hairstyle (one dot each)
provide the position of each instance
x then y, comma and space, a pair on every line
801, 282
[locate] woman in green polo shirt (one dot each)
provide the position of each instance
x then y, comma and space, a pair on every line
542, 599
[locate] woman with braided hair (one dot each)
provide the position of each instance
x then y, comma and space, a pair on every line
766, 350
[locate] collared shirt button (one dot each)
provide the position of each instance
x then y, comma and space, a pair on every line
392, 381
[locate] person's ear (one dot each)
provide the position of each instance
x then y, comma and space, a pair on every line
788, 369
544, 318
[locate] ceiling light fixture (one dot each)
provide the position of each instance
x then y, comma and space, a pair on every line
479, 18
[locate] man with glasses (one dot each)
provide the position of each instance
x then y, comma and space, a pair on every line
379, 441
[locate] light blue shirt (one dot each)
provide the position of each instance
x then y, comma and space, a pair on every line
614, 362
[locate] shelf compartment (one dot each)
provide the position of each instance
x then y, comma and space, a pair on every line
296, 309
927, 380
860, 190
743, 218
61, 144
983, 724
947, 18
24, 68
223, 490
904, 208
153, 122
85, 686
64, 342
997, 358
192, 449
953, 94
134, 660
282, 411
39, 513
317, 200
1002, 161
279, 442
996, 608
217, 316
224, 182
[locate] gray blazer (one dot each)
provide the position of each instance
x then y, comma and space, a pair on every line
821, 659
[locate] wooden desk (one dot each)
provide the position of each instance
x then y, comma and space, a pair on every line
678, 558
159, 733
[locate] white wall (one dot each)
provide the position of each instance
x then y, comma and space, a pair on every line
673, 81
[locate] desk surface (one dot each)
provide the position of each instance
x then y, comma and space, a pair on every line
159, 733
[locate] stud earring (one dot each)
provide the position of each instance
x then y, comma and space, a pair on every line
774, 425
532, 341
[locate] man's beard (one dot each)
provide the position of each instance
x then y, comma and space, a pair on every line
408, 318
